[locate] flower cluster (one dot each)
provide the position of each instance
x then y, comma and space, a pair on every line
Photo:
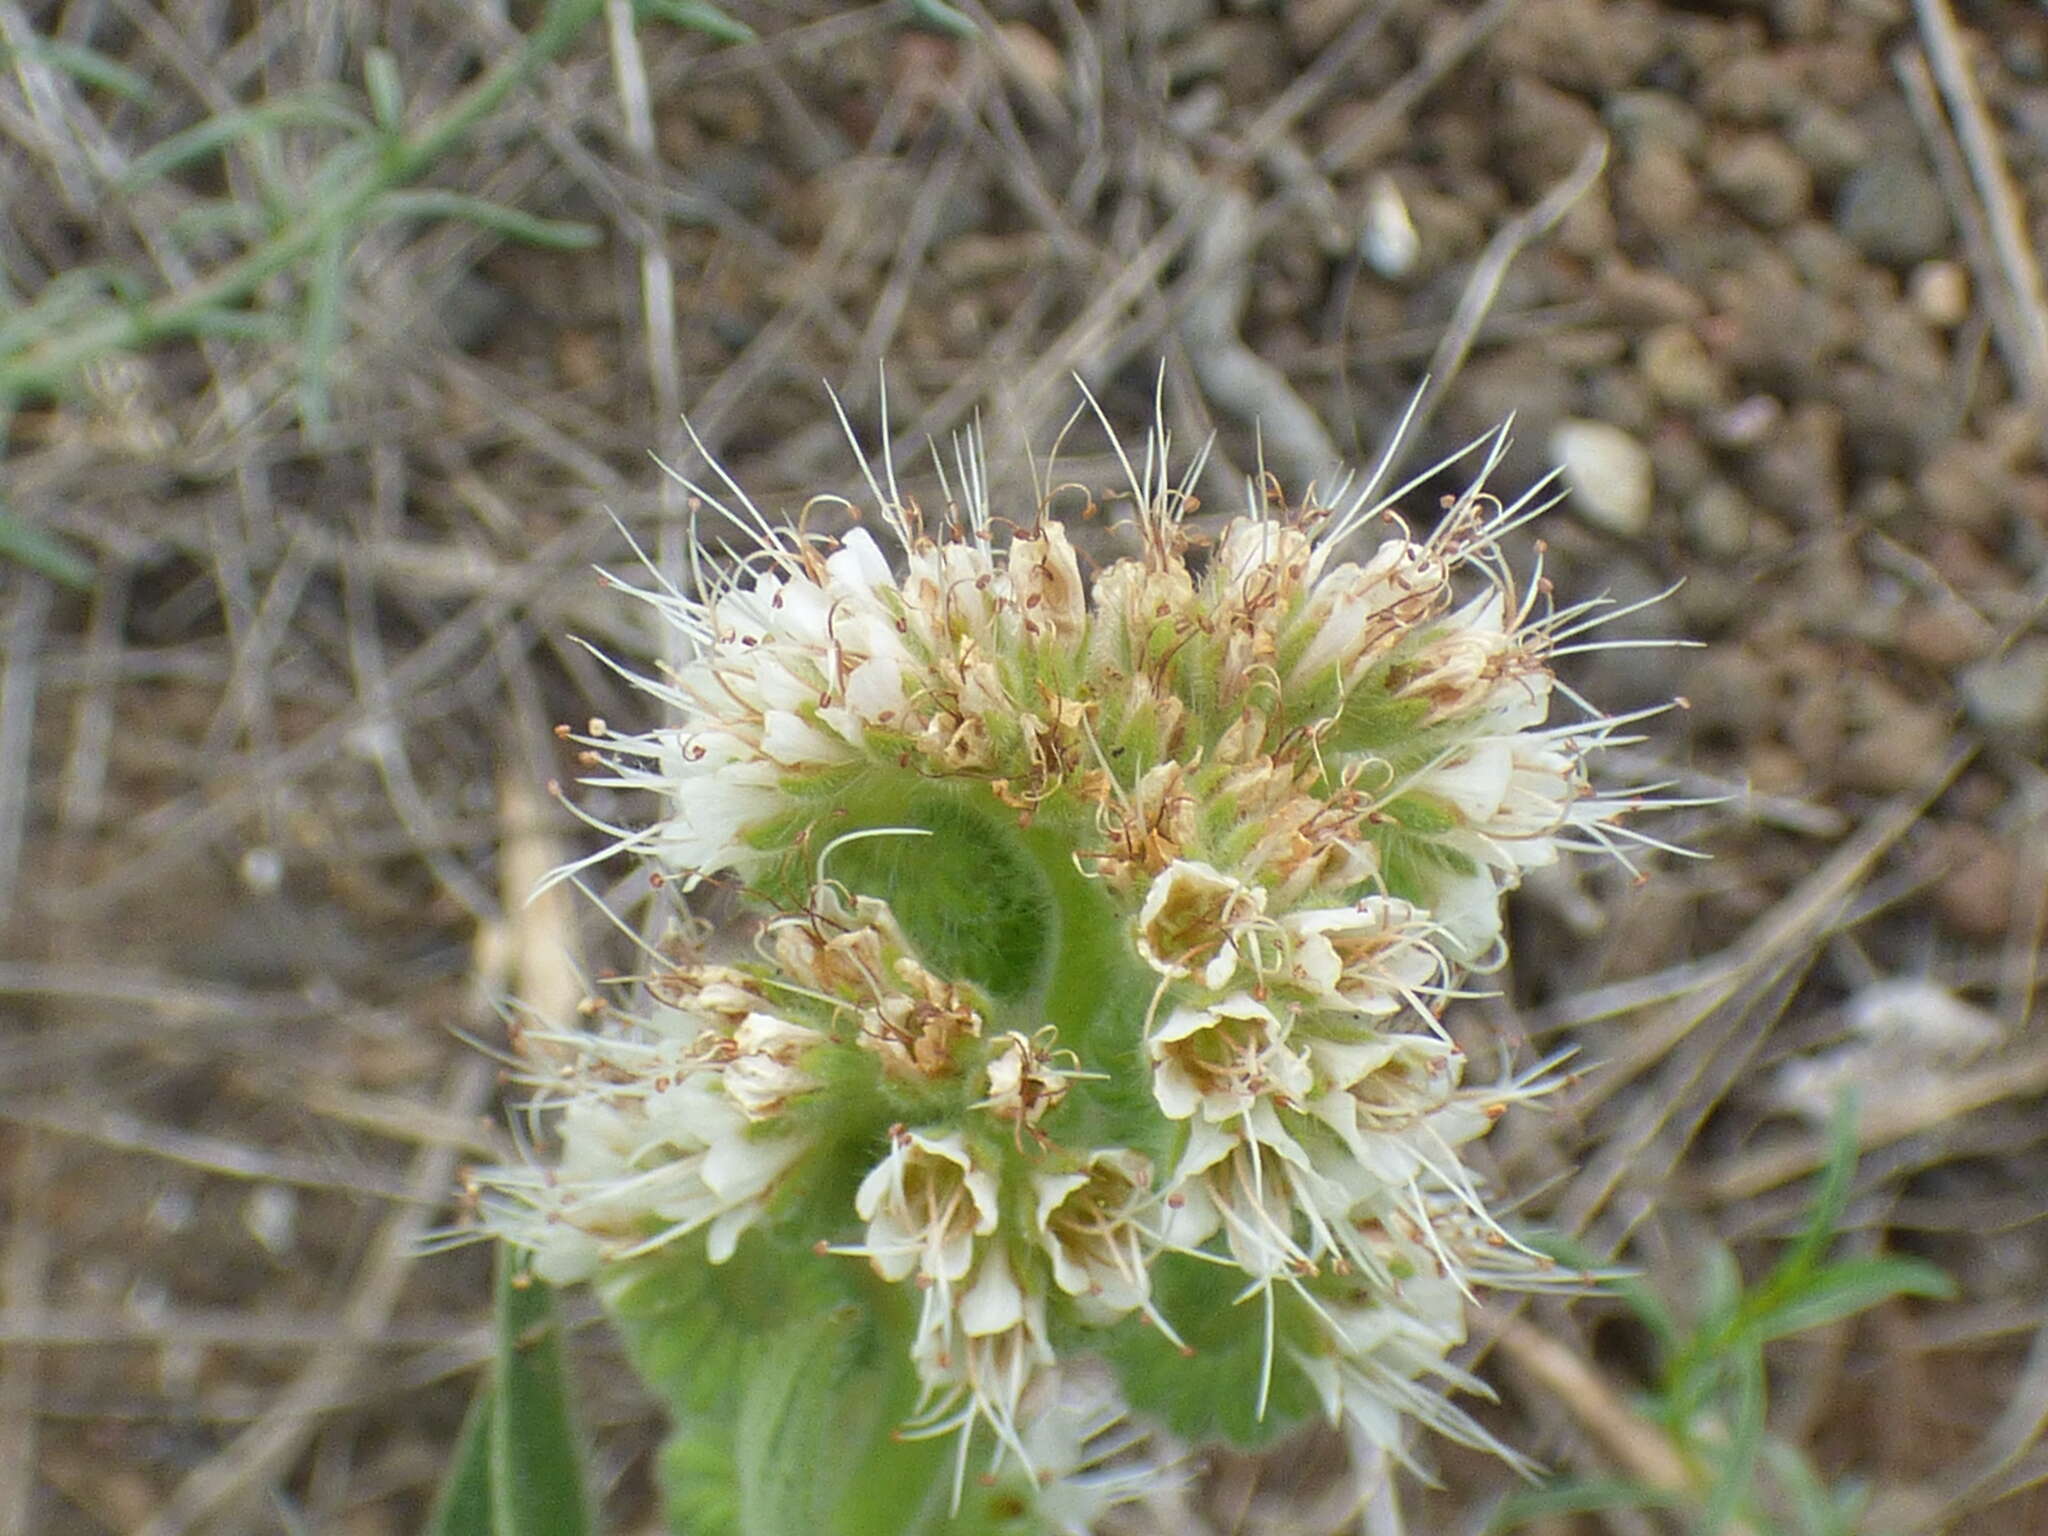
1111, 920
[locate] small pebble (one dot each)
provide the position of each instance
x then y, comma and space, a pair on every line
262, 870
1745, 87
2006, 696
1763, 179
1608, 473
1639, 119
1965, 484
1830, 142
1637, 296
1892, 211
1881, 499
1945, 635
1749, 421
1033, 55
271, 1216
1680, 369
1974, 886
1896, 753
1659, 191
1386, 238
1718, 520
1940, 291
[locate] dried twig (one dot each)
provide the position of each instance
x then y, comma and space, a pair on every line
2025, 343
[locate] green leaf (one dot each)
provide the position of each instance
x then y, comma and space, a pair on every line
1735, 1471
64, 301
89, 66
307, 110
1847, 1287
971, 899
436, 203
1581, 1496
463, 1507
1818, 1509
323, 325
37, 550
941, 17
238, 325
536, 1474
385, 90
698, 16
787, 1374
1831, 1195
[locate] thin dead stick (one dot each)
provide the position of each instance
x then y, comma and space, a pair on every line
2027, 933
1791, 923
657, 272
213, 1154
20, 678
2028, 347
229, 1328
24, 1269
1634, 1444
1934, 1102
1483, 287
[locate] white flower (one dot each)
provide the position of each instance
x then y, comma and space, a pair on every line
1197, 921
1028, 1077
977, 1359
1087, 1224
765, 1072
925, 1203
1373, 957
1222, 1058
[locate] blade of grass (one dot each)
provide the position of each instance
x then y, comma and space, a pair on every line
438, 203
88, 66
1735, 1472
463, 1507
322, 330
385, 90
536, 1474
52, 365
941, 17
310, 110
1842, 1290
698, 17
39, 552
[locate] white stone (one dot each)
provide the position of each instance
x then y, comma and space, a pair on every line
1608, 473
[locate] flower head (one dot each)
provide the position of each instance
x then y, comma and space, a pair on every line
1112, 922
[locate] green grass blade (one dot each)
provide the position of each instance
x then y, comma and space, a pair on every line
1830, 1199
436, 203
698, 17
322, 335
310, 110
536, 1473
38, 551
385, 90
1843, 1289
1580, 1496
88, 66
463, 1507
1735, 1475
941, 17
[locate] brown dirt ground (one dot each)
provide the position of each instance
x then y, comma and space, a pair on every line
270, 793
